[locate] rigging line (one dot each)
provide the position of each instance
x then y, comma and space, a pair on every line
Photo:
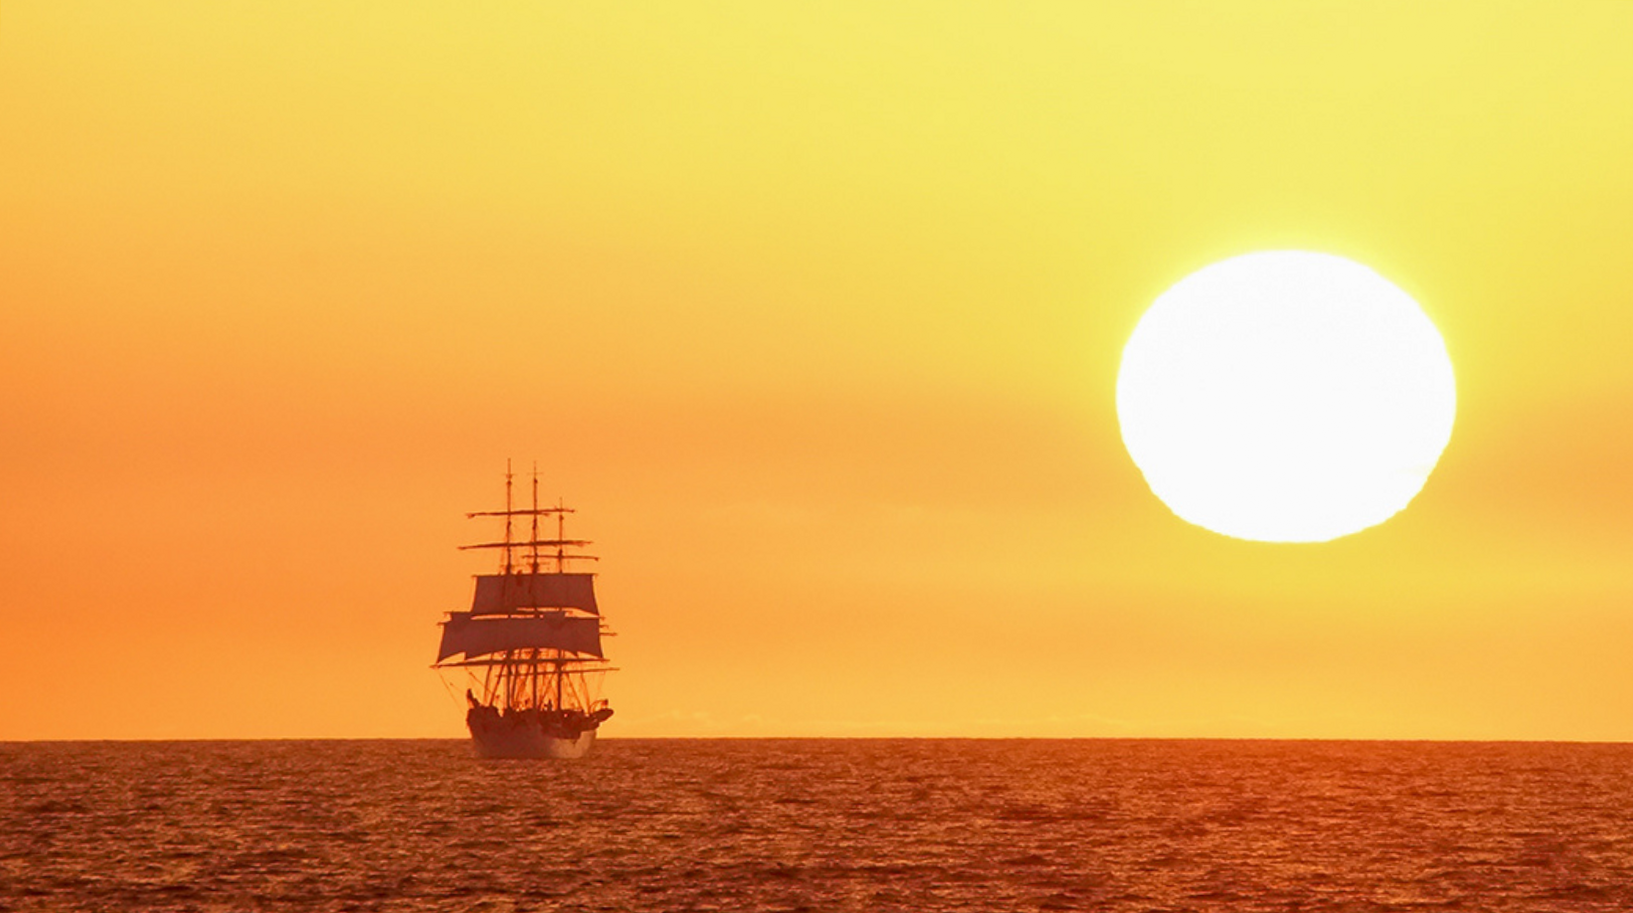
447, 687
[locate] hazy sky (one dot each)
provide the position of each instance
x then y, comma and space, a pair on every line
814, 312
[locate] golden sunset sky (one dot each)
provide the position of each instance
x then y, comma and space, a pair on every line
814, 312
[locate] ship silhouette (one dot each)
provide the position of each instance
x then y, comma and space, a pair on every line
531, 642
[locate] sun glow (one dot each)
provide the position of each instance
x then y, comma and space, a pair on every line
1285, 396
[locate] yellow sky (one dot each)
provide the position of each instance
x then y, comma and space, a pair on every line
814, 312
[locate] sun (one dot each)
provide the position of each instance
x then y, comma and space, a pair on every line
1285, 396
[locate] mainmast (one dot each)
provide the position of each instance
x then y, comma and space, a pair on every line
535, 563
561, 536
507, 670
505, 561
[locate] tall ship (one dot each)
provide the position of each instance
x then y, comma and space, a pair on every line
530, 644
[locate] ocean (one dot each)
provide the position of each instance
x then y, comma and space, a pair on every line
865, 824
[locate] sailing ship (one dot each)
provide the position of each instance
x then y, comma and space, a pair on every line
531, 642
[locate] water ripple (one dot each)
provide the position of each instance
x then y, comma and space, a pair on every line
818, 825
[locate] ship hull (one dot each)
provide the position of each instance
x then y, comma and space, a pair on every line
527, 740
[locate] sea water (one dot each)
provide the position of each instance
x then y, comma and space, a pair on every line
818, 825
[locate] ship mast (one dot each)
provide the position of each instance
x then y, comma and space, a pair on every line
505, 559
535, 564
509, 668
561, 567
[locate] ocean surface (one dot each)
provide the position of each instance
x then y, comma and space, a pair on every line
818, 825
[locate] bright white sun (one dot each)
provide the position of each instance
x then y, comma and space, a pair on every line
1285, 396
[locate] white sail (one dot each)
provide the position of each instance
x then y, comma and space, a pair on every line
476, 636
497, 594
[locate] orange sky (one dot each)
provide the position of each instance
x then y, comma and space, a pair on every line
815, 314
